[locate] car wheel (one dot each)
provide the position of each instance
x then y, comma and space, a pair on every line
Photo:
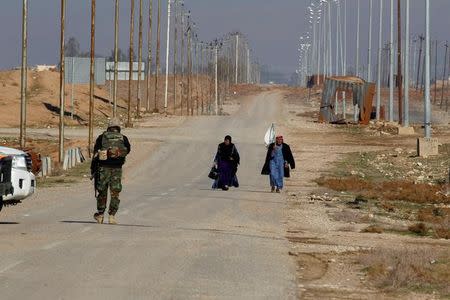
1, 203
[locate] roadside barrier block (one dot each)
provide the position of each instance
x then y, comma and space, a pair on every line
427, 147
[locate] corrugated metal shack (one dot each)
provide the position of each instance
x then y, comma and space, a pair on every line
362, 93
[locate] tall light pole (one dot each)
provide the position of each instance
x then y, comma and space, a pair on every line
427, 71
369, 55
166, 92
358, 23
338, 33
391, 67
330, 61
406, 98
23, 82
62, 83
319, 50
380, 46
345, 37
399, 62
116, 56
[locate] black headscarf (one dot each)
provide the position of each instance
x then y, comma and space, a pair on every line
227, 151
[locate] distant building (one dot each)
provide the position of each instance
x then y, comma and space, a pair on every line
40, 68
124, 70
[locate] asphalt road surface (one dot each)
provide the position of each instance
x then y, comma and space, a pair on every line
176, 238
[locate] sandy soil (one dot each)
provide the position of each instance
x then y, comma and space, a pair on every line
43, 99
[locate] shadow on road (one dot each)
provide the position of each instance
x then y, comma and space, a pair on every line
9, 223
120, 225
240, 190
209, 230
221, 196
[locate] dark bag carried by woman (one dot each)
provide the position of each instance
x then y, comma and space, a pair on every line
214, 173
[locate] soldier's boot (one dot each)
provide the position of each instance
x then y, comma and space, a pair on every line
112, 220
98, 217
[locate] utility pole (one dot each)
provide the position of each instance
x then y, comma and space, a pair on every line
158, 56
216, 50
391, 67
197, 59
23, 82
62, 83
427, 71
116, 56
131, 54
444, 74
237, 58
380, 45
406, 106
166, 92
435, 71
138, 106
248, 65
421, 38
399, 62
189, 105
202, 70
92, 81
149, 49
175, 56
182, 94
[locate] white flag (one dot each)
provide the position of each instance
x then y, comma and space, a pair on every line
269, 138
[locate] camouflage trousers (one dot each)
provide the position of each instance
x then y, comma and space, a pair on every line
109, 178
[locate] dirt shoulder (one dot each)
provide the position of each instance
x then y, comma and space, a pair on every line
336, 250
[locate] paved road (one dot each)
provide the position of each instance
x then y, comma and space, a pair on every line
177, 239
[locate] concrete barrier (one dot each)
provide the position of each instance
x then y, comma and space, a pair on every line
72, 157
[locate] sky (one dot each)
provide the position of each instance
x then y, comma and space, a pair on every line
273, 27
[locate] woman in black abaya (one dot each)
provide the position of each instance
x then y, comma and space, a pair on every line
227, 160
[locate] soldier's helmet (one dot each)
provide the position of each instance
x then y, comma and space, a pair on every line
114, 122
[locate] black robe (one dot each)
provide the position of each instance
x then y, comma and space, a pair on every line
287, 155
228, 153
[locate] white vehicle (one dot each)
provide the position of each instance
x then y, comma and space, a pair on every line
22, 179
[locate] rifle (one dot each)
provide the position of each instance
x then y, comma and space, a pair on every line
95, 174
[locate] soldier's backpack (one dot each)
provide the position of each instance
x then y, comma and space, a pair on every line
113, 144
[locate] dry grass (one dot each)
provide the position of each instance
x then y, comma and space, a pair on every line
419, 269
66, 178
388, 190
439, 220
373, 229
419, 229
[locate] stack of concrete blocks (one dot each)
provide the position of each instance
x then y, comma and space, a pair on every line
46, 168
72, 157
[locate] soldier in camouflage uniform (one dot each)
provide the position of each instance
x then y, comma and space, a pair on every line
110, 150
